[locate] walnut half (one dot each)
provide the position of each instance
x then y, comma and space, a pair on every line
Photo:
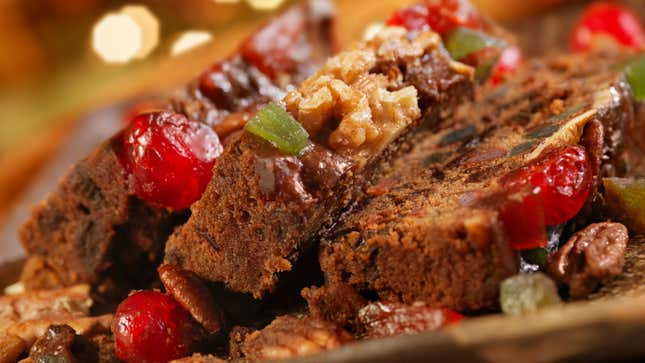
352, 106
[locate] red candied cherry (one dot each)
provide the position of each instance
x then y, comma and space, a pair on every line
441, 16
451, 317
169, 157
142, 107
445, 15
610, 20
508, 63
561, 177
273, 49
412, 18
152, 327
522, 215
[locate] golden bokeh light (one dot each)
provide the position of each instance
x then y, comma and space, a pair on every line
131, 33
265, 5
190, 40
149, 25
117, 38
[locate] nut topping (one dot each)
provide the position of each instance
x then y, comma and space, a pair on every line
290, 336
371, 109
592, 254
56, 345
381, 320
193, 295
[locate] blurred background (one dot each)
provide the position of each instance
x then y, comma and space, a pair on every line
70, 67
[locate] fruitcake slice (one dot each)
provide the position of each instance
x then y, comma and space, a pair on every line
445, 225
108, 219
291, 172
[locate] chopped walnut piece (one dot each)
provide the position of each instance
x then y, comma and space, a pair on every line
371, 109
379, 320
193, 295
291, 336
589, 256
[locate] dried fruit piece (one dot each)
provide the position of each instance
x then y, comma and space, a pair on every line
193, 295
441, 16
169, 157
626, 200
445, 15
595, 253
526, 293
152, 327
611, 21
523, 218
561, 177
381, 320
412, 18
536, 256
535, 259
635, 73
509, 62
464, 41
273, 49
276, 125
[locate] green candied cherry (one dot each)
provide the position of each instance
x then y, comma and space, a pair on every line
525, 293
626, 200
635, 73
463, 41
277, 126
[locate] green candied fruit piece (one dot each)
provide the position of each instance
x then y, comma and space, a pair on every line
635, 73
277, 126
536, 256
626, 201
463, 41
526, 293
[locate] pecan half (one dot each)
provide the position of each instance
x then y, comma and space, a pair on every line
589, 256
56, 345
291, 336
193, 295
379, 320
198, 358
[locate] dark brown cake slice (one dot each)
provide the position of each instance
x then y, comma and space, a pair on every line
432, 229
264, 206
94, 229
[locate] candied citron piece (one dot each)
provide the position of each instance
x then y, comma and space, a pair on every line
525, 293
626, 201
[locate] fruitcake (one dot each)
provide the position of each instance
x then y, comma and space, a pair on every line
271, 194
105, 224
446, 224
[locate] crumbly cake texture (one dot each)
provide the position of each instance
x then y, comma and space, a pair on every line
263, 208
429, 230
93, 229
